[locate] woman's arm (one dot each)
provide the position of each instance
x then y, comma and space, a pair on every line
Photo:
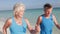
6, 25
28, 25
37, 27
55, 22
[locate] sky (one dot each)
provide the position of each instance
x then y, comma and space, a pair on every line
30, 4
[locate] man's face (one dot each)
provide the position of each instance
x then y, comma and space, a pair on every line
48, 11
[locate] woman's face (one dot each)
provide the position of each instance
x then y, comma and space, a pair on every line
20, 11
48, 11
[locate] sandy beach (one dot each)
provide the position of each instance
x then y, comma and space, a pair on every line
1, 25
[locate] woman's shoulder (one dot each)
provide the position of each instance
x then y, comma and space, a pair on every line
25, 18
9, 20
27, 21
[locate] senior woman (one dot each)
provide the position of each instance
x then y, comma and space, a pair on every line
17, 24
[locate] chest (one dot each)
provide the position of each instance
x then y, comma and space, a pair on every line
47, 23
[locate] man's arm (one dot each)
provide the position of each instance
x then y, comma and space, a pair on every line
55, 22
37, 27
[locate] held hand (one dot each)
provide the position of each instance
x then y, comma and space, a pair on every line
58, 26
33, 31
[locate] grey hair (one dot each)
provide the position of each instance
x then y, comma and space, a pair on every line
18, 5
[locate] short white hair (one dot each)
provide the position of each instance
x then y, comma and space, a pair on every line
18, 5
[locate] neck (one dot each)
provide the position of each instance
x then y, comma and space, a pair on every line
17, 17
47, 15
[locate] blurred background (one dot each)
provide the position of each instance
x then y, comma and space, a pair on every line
34, 8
